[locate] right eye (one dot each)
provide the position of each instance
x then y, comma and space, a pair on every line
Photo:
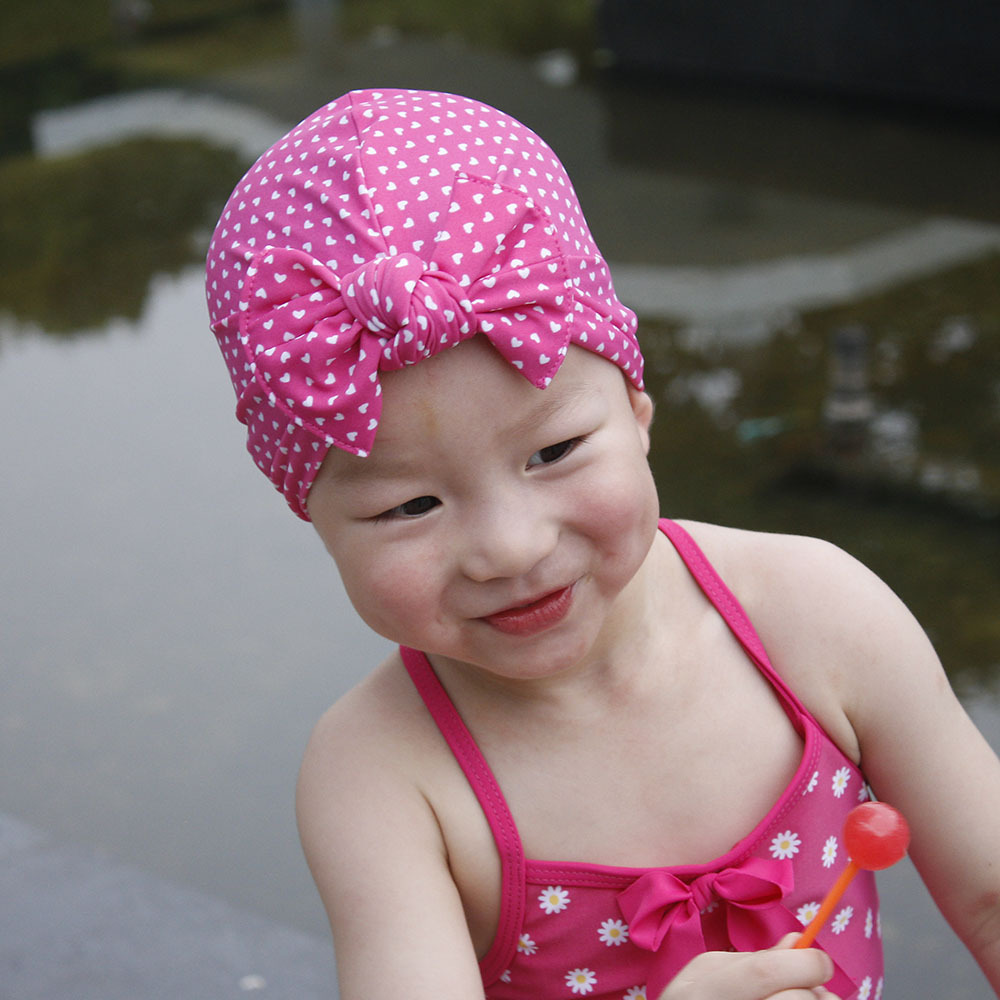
412, 508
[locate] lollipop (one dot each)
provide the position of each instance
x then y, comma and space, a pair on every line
876, 836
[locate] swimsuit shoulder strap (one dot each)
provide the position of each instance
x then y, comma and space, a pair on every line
492, 802
732, 612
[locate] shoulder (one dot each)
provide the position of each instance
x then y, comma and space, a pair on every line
375, 780
359, 782
773, 574
834, 631
365, 744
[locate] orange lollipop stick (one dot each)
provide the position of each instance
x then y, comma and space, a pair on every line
876, 836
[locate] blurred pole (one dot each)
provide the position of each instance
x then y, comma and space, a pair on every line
316, 24
849, 407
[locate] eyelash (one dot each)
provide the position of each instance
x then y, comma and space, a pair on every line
570, 445
397, 512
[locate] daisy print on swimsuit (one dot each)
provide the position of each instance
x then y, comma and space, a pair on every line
829, 852
785, 845
526, 946
839, 923
581, 981
840, 782
554, 899
613, 932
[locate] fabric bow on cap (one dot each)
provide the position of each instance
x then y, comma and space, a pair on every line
315, 341
387, 226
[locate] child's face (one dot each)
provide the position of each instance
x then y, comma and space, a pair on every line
484, 494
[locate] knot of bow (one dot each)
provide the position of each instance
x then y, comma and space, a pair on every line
667, 915
315, 340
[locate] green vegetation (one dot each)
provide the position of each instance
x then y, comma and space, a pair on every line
524, 26
81, 236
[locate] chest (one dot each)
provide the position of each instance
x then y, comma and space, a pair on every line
663, 782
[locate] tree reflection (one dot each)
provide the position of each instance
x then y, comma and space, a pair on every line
81, 236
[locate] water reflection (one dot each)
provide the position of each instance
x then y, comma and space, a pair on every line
174, 632
908, 475
82, 236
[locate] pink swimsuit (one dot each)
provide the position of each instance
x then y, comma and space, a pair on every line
574, 929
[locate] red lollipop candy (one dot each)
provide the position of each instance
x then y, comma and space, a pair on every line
876, 836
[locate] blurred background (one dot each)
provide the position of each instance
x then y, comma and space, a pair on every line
799, 200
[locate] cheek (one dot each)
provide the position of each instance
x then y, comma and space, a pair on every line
391, 593
623, 512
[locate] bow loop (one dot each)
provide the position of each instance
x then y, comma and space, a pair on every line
509, 256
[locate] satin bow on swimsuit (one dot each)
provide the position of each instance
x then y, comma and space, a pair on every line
667, 916
317, 340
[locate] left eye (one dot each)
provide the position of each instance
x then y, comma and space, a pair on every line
552, 453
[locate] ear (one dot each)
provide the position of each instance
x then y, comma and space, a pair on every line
642, 409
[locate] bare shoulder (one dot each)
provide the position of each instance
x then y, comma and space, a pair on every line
360, 754
835, 631
367, 808
794, 581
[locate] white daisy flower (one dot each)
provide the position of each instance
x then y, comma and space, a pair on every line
865, 989
581, 980
878, 988
840, 781
829, 852
878, 924
525, 945
635, 993
869, 923
785, 845
807, 912
842, 919
864, 793
613, 932
812, 782
505, 976
554, 899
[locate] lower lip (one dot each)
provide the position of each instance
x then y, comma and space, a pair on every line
534, 617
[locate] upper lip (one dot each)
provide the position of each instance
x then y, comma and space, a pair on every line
518, 605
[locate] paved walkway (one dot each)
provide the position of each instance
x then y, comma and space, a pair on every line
75, 925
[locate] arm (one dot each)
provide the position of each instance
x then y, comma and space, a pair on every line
377, 855
922, 753
867, 670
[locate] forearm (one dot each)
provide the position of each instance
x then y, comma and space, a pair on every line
985, 945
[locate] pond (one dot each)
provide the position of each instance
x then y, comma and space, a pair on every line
171, 633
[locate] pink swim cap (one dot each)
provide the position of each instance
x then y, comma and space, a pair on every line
384, 228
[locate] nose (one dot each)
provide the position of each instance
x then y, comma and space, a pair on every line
507, 537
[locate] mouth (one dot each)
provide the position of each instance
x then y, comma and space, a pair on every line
535, 616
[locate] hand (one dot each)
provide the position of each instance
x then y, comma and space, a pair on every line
779, 973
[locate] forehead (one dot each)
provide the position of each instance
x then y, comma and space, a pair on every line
470, 390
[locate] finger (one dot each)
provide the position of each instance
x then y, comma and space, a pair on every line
785, 973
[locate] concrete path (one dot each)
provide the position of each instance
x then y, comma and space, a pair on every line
75, 925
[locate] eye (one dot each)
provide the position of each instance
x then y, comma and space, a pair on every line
412, 508
553, 453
